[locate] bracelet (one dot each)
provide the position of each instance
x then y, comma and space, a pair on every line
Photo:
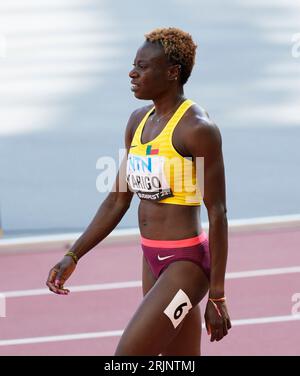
213, 301
72, 254
218, 300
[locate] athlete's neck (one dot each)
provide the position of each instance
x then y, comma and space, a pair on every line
165, 105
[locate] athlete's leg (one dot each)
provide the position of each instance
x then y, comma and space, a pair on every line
188, 339
151, 331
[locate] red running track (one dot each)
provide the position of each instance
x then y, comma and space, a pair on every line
260, 304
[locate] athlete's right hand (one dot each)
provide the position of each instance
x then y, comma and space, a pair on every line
59, 274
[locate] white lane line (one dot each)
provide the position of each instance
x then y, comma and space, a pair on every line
118, 333
234, 224
84, 288
69, 237
263, 272
266, 320
67, 337
130, 284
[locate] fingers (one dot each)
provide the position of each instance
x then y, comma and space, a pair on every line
55, 282
214, 334
225, 329
227, 322
51, 275
50, 280
208, 329
214, 328
217, 322
217, 332
59, 285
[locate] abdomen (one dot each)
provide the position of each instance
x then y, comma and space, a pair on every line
168, 221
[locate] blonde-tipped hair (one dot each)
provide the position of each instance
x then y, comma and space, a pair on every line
178, 46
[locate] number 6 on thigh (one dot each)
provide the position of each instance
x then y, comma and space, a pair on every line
178, 308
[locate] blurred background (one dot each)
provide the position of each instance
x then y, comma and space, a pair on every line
65, 100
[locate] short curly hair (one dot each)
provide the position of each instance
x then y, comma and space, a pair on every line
178, 46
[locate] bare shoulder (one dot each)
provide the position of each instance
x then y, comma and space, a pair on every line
134, 120
201, 132
199, 123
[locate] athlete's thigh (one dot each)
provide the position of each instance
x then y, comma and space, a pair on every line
181, 286
188, 340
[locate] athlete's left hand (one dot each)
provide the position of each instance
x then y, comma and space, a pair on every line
217, 320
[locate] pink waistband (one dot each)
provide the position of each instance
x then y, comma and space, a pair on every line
174, 243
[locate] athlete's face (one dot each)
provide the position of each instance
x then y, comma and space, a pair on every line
150, 76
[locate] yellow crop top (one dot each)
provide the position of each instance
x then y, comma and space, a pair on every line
157, 172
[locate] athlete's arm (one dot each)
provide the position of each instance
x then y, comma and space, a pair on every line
106, 219
203, 139
207, 143
112, 209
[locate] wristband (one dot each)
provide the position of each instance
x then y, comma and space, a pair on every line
218, 300
74, 257
214, 301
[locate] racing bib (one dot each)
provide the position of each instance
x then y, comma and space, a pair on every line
146, 177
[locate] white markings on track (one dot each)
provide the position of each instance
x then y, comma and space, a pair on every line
84, 288
130, 284
246, 224
67, 337
2, 305
263, 272
118, 333
265, 320
258, 223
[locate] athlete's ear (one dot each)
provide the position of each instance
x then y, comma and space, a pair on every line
174, 72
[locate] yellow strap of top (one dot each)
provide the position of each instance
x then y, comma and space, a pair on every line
138, 132
171, 124
177, 116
